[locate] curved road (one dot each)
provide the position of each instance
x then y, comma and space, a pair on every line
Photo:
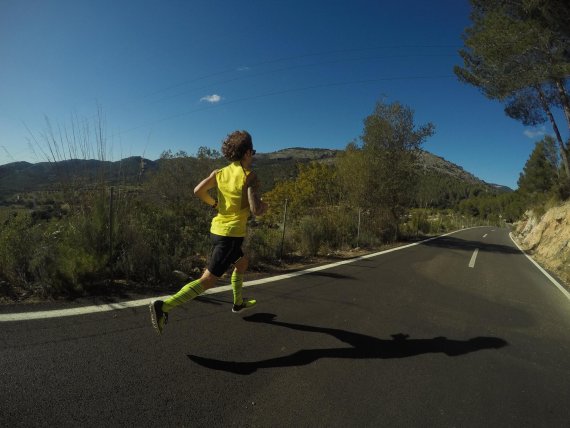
459, 331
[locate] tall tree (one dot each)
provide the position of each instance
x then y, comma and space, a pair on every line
539, 173
517, 52
382, 172
552, 155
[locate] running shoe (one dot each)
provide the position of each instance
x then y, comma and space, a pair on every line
247, 304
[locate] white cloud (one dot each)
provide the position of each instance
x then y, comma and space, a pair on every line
212, 99
243, 68
530, 133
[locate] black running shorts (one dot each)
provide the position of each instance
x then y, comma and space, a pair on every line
226, 251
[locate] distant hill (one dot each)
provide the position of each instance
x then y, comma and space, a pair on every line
297, 153
23, 177
281, 165
434, 163
442, 183
446, 181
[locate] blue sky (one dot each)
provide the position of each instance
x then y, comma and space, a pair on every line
182, 74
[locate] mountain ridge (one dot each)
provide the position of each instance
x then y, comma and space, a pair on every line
22, 176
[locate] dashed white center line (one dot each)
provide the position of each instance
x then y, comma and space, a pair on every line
473, 258
485, 235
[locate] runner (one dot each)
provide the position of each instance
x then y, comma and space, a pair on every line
237, 195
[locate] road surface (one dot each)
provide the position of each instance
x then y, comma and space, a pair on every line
458, 331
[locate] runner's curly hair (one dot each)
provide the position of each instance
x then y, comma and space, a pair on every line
236, 144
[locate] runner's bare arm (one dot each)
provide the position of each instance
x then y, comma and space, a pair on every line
256, 205
208, 183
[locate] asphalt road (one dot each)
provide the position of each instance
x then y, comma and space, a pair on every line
414, 337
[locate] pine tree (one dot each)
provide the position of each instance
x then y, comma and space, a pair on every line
539, 174
517, 52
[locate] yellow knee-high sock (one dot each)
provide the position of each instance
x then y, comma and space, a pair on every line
237, 282
188, 292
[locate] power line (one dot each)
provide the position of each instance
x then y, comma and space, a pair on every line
311, 55
301, 56
282, 92
294, 67
290, 58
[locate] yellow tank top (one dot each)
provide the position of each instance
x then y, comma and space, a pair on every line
233, 205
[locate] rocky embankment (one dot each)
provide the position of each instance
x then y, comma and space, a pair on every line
547, 239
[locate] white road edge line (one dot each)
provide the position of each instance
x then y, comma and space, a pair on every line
473, 258
556, 283
57, 313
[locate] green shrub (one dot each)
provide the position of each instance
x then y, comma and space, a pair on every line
263, 244
150, 242
310, 235
419, 222
338, 227
18, 238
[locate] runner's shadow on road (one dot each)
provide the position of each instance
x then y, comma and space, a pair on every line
361, 347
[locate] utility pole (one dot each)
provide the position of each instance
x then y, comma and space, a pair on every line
111, 234
358, 231
283, 235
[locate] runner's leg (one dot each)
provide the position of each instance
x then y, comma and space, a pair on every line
190, 291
